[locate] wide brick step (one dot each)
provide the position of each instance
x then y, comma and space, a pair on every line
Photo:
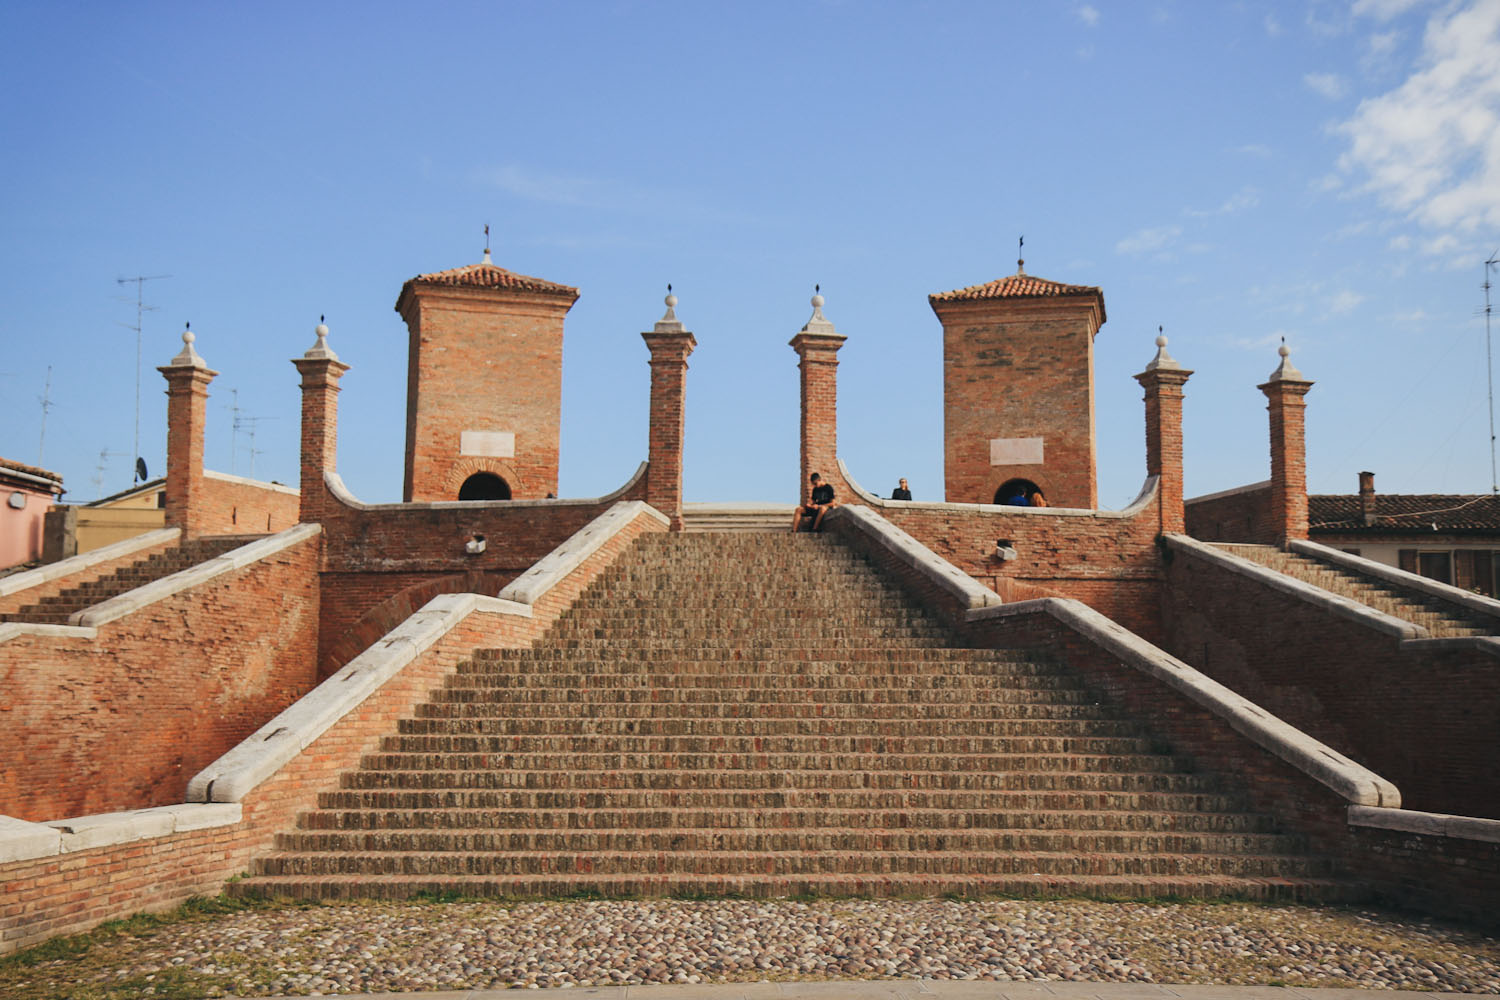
801, 833
789, 644
866, 659
809, 718
944, 861
488, 789
1273, 889
439, 769
753, 736
480, 701
616, 810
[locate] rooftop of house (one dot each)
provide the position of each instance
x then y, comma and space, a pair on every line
31, 476
1400, 513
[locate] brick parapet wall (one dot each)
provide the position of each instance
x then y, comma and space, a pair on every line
232, 505
78, 570
1239, 515
122, 718
1109, 560
1421, 713
44, 897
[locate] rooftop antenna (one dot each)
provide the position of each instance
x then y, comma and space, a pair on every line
234, 428
251, 422
98, 477
1489, 365
46, 400
140, 309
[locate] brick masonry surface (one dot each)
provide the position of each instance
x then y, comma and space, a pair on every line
14, 602
229, 508
46, 897
486, 360
1424, 718
204, 667
1015, 368
1242, 516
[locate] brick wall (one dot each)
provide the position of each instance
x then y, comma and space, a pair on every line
1110, 563
1242, 515
234, 506
123, 720
46, 897
1421, 715
1019, 368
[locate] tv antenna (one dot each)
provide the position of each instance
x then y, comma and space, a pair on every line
140, 310
1489, 366
46, 400
104, 456
250, 423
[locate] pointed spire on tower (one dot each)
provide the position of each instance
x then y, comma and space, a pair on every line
486, 244
1021, 255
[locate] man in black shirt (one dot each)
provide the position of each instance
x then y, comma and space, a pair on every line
819, 503
901, 492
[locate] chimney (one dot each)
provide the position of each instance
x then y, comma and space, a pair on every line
1367, 497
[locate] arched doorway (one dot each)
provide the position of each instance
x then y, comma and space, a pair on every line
484, 486
1013, 488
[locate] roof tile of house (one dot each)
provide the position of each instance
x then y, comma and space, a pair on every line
486, 275
1405, 512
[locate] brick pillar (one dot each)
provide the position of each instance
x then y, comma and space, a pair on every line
670, 346
1367, 505
1163, 380
1284, 394
817, 345
187, 378
321, 370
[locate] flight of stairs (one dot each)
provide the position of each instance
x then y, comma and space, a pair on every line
57, 609
1441, 619
720, 517
761, 714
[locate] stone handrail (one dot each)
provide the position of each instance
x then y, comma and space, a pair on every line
1477, 603
1142, 499
341, 493
958, 585
549, 571
18, 582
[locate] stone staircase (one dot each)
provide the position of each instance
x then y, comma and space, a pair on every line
1440, 618
763, 715
57, 609
736, 517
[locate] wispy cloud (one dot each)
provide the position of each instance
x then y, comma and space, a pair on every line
1344, 301
1089, 15
1264, 341
1244, 198
607, 194
1329, 85
1384, 10
1429, 148
1273, 26
1254, 149
1148, 240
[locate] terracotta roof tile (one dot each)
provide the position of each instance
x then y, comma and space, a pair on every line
30, 470
1015, 286
1405, 512
491, 276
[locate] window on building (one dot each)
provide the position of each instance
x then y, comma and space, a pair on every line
1468, 569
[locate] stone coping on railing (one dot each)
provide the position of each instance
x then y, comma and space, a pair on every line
1352, 781
1345, 607
18, 582
1142, 499
1264, 484
260, 484
968, 592
24, 841
335, 484
193, 576
1426, 823
1477, 603
553, 567
269, 748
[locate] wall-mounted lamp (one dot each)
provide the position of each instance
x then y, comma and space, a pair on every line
474, 545
1004, 550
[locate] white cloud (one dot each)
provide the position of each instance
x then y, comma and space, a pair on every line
555, 188
1272, 339
1343, 301
1382, 43
1148, 239
1383, 10
1244, 198
1254, 149
1088, 14
1273, 26
1402, 242
1329, 85
1430, 149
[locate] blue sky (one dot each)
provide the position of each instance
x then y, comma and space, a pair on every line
1327, 171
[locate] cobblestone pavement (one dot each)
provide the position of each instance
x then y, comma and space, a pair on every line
390, 947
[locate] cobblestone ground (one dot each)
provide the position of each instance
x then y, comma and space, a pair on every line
381, 947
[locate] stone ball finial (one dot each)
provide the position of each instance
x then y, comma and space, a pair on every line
321, 329
1161, 340
187, 335
817, 302
671, 301
1283, 350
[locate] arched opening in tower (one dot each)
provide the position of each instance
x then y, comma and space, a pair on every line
484, 486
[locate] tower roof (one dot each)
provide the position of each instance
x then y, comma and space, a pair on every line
487, 275
1020, 286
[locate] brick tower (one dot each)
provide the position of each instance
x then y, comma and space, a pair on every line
1018, 388
483, 383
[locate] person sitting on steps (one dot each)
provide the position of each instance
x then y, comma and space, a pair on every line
819, 503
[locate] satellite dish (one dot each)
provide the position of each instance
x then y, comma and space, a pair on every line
140, 470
